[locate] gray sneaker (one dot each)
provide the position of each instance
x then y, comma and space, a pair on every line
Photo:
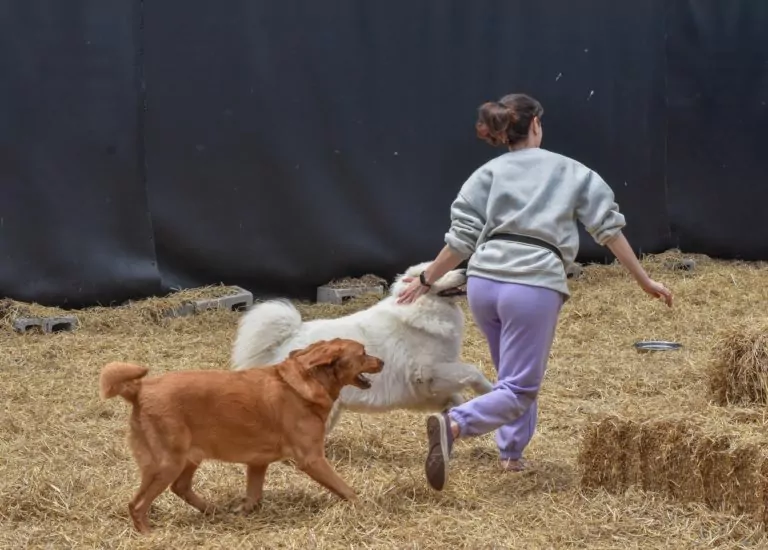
440, 441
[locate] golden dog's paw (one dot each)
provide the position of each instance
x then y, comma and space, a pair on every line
245, 506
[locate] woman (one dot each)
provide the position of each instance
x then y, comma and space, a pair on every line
516, 217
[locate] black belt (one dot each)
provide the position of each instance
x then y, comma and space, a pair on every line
525, 239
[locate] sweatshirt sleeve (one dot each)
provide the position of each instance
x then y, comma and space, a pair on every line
597, 209
468, 214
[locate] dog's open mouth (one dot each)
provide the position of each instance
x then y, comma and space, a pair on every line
454, 291
363, 381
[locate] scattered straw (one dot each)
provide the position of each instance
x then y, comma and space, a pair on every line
66, 473
153, 310
739, 369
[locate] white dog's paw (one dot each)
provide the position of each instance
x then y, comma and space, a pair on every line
454, 401
483, 385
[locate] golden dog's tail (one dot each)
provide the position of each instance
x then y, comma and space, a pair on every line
123, 379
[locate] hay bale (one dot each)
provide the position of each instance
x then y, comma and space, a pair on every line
610, 452
738, 373
676, 458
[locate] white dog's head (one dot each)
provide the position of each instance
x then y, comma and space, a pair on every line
449, 286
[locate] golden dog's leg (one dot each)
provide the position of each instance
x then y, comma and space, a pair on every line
140, 521
183, 488
255, 475
154, 481
321, 471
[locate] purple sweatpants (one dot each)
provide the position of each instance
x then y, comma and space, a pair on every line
519, 323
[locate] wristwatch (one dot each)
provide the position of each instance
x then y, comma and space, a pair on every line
423, 280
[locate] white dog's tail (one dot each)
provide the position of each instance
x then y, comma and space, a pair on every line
262, 329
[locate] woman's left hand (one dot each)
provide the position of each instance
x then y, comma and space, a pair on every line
657, 290
412, 291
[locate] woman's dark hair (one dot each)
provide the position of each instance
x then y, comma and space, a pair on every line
507, 121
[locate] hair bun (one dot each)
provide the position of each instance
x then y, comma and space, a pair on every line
508, 120
513, 116
487, 134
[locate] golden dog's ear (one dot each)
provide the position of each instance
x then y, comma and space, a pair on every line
298, 377
303, 370
321, 353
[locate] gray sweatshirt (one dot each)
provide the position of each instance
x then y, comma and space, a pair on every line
531, 192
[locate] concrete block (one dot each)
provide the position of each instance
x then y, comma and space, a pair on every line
574, 272
184, 310
59, 324
26, 324
329, 295
685, 264
240, 301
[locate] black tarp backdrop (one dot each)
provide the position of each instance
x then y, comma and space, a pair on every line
317, 140
717, 57
286, 144
74, 222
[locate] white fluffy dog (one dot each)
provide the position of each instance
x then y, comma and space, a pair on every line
418, 342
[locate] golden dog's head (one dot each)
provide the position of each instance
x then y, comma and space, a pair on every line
330, 365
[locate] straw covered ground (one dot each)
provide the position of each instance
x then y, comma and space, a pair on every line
66, 473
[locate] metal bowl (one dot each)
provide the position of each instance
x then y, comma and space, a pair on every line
656, 345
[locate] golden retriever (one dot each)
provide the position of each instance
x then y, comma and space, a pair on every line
253, 417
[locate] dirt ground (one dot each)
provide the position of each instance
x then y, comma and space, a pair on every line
66, 474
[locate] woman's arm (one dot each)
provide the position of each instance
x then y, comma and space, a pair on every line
620, 247
467, 223
598, 211
445, 262
626, 256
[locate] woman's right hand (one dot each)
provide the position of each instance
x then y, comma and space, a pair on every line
412, 291
657, 290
